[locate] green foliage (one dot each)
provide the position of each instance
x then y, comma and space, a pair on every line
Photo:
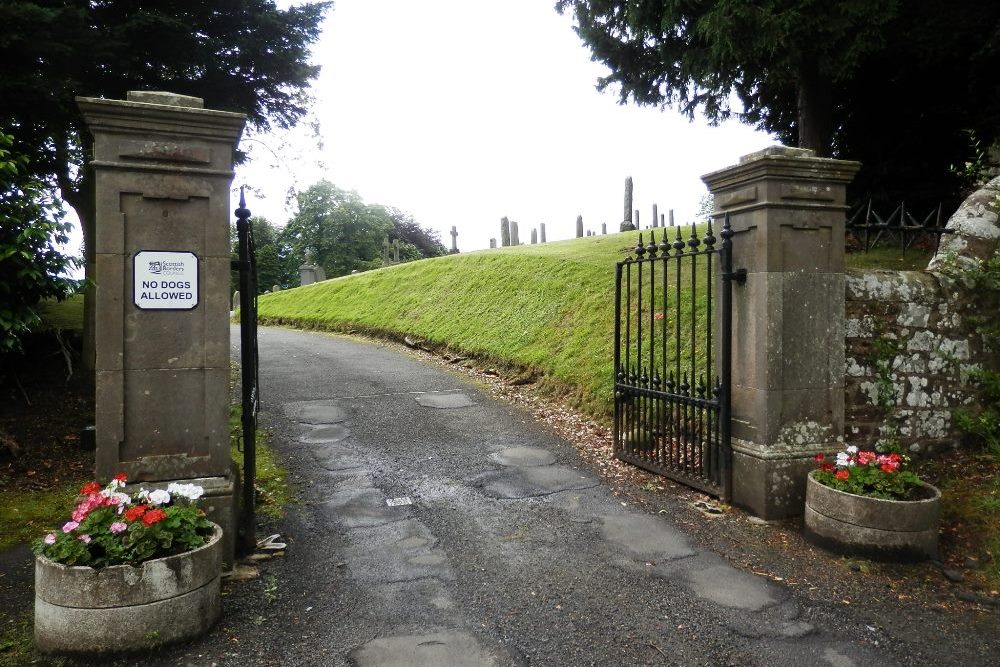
984, 424
849, 78
868, 473
271, 491
129, 530
247, 56
344, 234
30, 265
275, 263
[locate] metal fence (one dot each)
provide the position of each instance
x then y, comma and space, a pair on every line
902, 228
671, 411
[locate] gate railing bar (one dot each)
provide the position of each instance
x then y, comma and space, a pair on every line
248, 372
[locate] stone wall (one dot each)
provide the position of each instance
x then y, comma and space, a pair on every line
914, 337
912, 342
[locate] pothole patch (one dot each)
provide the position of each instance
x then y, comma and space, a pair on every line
520, 483
523, 457
439, 648
324, 434
645, 536
444, 401
315, 412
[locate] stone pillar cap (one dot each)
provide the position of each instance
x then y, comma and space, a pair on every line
778, 151
164, 98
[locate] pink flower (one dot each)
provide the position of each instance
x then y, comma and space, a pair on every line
70, 526
84, 538
864, 458
117, 527
50, 538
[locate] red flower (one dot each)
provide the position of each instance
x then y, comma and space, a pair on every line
819, 458
842, 474
153, 516
827, 467
887, 467
133, 513
657, 316
90, 487
121, 477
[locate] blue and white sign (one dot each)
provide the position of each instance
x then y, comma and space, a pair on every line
165, 280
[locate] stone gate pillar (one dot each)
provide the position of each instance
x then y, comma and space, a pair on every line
163, 166
787, 211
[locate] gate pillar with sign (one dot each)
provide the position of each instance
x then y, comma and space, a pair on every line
787, 210
163, 166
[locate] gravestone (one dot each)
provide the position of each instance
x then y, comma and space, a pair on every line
656, 218
504, 232
163, 166
661, 220
493, 243
395, 254
671, 217
454, 240
628, 203
309, 271
541, 229
515, 238
579, 226
275, 288
386, 260
534, 236
604, 228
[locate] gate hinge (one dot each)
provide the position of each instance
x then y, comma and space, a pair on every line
738, 276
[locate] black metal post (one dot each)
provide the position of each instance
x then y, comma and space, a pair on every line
248, 374
725, 370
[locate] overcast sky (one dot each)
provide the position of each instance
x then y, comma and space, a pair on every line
463, 111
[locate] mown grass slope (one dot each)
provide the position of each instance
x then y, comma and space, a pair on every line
546, 307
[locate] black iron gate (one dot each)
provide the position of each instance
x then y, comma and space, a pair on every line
247, 266
672, 365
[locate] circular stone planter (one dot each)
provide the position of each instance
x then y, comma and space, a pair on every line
896, 530
122, 608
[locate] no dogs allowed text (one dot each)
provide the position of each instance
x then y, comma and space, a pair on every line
165, 280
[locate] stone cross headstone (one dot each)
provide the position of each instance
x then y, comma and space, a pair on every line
579, 226
395, 252
534, 236
628, 205
493, 243
385, 251
454, 240
515, 238
504, 231
541, 230
163, 166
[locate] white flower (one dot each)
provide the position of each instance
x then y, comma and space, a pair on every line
852, 449
143, 494
189, 491
843, 459
116, 484
119, 498
159, 497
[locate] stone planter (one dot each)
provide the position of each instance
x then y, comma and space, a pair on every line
123, 608
899, 530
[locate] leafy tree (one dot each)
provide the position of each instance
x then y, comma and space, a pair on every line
31, 267
421, 242
275, 263
239, 55
343, 234
338, 230
859, 79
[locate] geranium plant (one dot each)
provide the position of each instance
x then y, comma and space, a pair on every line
868, 473
111, 527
